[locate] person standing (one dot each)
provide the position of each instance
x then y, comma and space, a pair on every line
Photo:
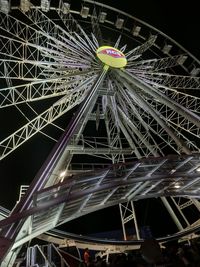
86, 257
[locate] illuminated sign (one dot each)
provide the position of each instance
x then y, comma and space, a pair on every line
111, 56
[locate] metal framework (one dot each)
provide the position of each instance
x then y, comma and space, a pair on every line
139, 115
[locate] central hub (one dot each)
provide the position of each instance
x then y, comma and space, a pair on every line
111, 56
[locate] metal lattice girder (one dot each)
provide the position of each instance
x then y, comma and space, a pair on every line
46, 176
153, 64
139, 50
75, 30
41, 90
190, 102
147, 124
136, 124
41, 42
38, 123
171, 81
72, 25
47, 25
29, 71
18, 29
29, 60
98, 145
96, 28
183, 113
137, 98
127, 212
144, 121
147, 178
177, 122
21, 51
112, 127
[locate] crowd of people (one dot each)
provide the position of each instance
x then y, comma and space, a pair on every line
172, 255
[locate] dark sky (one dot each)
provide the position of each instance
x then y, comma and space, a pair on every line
180, 21
175, 18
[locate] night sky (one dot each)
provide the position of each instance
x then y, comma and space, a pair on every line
181, 22
174, 18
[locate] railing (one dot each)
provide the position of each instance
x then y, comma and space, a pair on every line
50, 256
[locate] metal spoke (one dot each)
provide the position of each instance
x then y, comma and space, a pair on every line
41, 90
34, 126
185, 115
154, 64
171, 81
138, 51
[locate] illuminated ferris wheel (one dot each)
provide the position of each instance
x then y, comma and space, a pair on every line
130, 90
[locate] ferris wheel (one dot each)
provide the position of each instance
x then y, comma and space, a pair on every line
130, 90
